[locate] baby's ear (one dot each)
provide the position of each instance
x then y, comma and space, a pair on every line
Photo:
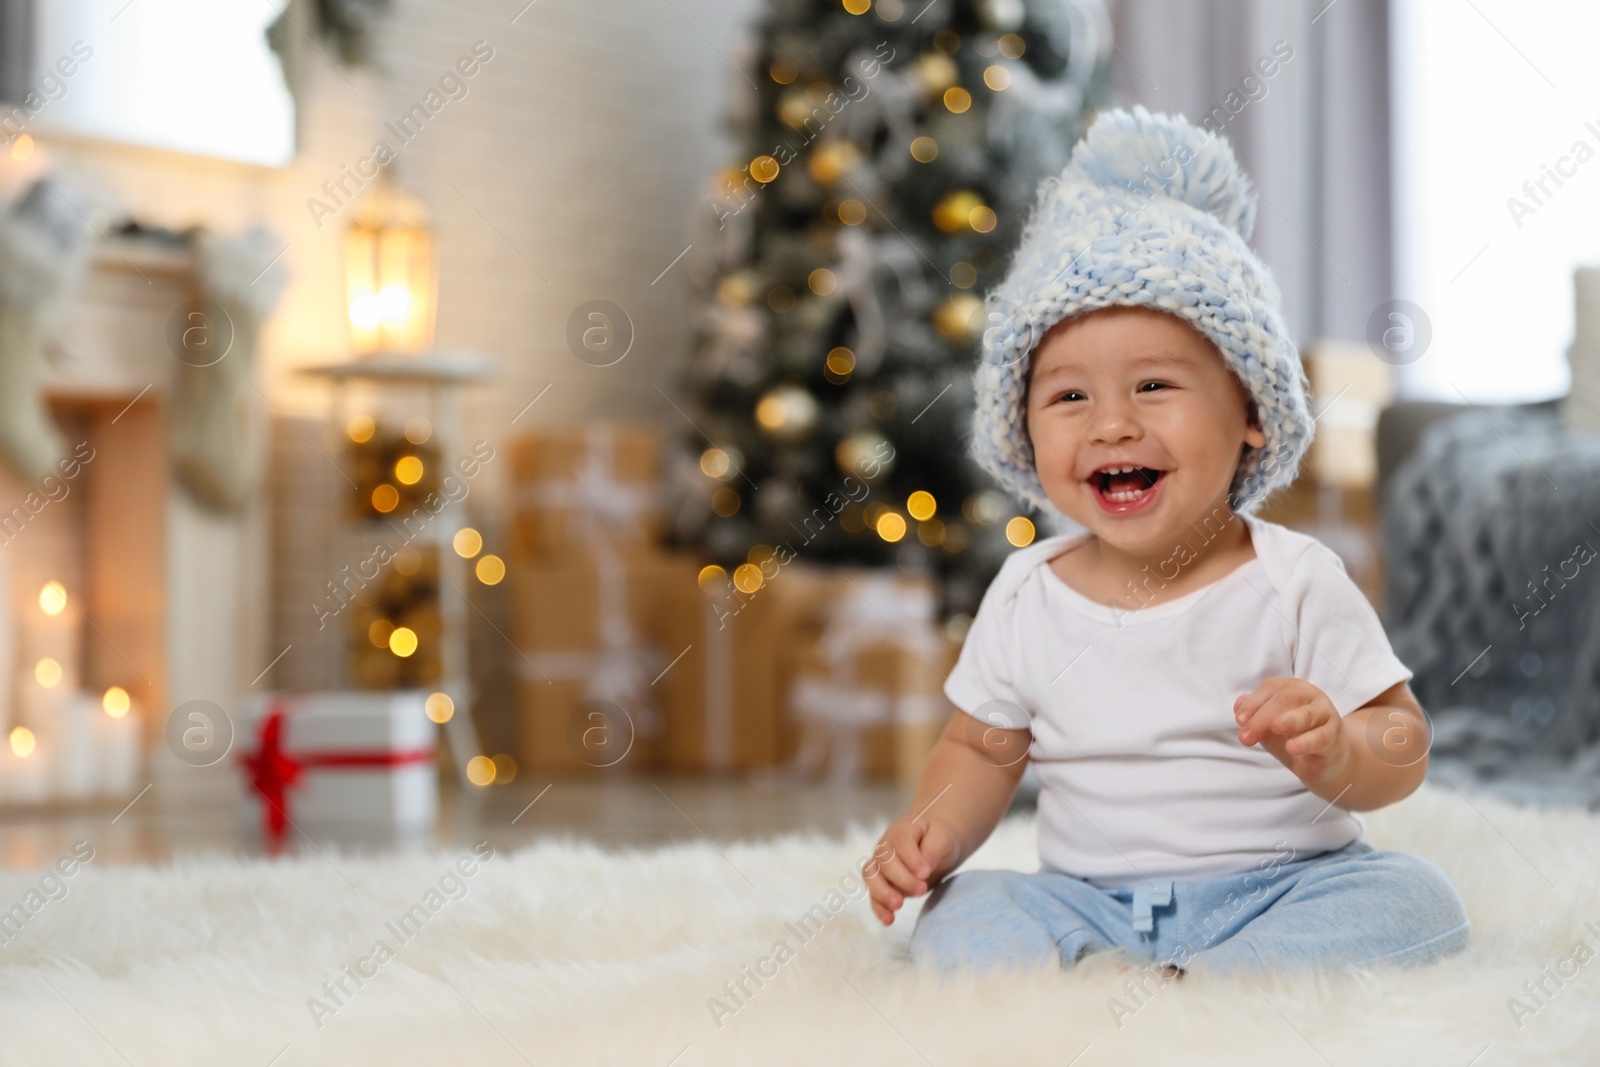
1254, 435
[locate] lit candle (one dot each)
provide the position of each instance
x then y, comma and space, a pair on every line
24, 777
116, 733
72, 746
49, 674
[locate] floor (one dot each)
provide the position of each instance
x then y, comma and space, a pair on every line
624, 811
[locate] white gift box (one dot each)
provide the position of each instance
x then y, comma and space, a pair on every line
340, 759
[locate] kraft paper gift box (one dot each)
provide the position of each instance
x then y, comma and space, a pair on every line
720, 698
588, 638
340, 759
868, 694
573, 483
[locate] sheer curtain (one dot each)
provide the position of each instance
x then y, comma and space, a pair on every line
1313, 134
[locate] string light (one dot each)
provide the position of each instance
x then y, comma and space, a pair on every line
116, 702
47, 672
379, 632
53, 598
1019, 531
480, 770
891, 526
490, 570
467, 542
403, 641
408, 470
747, 578
714, 463
439, 707
360, 429
997, 77
22, 741
763, 169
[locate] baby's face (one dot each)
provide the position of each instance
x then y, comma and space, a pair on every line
1131, 387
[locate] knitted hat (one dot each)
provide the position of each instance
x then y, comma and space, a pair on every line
1150, 211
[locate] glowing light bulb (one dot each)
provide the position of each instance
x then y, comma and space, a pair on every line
53, 598
116, 702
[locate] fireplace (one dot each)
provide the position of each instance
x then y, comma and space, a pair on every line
156, 601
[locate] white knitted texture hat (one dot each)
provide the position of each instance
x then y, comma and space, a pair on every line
1151, 211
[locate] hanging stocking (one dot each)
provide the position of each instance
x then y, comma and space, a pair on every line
212, 435
44, 249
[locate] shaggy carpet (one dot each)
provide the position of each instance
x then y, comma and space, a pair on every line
563, 953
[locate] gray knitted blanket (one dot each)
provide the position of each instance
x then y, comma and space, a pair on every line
1491, 535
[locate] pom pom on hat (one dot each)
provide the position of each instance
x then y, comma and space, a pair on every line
1127, 148
1150, 211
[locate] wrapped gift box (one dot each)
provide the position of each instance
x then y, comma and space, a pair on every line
589, 637
340, 759
721, 697
572, 483
867, 695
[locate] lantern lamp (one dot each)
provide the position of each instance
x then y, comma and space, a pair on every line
390, 276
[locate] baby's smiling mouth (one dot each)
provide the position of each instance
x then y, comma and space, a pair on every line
1124, 483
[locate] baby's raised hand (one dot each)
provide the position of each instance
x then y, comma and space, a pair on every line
910, 857
1297, 723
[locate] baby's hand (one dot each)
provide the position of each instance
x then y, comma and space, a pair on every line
1297, 723
909, 858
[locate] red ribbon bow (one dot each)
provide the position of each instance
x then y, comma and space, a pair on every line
273, 771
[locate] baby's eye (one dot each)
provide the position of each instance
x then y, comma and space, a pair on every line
1070, 395
1150, 387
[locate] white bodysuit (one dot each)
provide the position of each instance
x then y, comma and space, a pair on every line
1131, 708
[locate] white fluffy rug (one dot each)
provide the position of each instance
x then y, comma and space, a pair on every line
565, 954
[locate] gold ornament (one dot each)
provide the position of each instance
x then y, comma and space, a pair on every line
794, 108
937, 72
831, 161
866, 454
954, 213
787, 412
959, 318
736, 289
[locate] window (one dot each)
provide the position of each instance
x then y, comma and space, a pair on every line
1496, 186
188, 75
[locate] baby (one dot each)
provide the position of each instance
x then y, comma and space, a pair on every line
1206, 696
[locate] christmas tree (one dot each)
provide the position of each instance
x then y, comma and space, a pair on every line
891, 152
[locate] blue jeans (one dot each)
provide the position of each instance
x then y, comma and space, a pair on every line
1351, 906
